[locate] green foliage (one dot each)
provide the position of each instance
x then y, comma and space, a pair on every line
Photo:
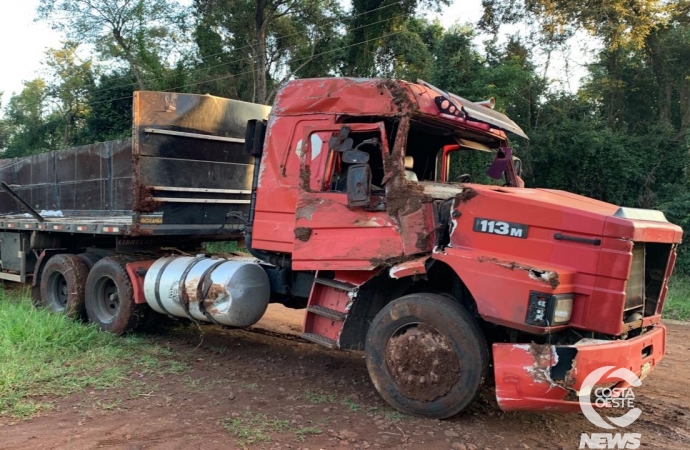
47, 355
677, 304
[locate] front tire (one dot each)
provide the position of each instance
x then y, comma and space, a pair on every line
63, 282
110, 297
426, 355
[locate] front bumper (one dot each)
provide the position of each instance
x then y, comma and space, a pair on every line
532, 377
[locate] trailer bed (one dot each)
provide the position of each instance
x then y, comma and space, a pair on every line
182, 173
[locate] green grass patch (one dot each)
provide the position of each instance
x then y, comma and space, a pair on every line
317, 397
678, 299
224, 247
44, 356
253, 428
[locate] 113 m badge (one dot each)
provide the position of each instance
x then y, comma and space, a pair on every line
501, 228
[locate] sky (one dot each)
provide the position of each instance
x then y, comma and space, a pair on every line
23, 43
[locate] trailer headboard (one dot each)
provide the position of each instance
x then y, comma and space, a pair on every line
190, 169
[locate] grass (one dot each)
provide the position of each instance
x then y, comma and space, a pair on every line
678, 299
45, 356
316, 397
223, 247
253, 428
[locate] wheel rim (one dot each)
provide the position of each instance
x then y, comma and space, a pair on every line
422, 361
57, 291
107, 301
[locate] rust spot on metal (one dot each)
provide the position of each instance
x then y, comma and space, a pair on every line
305, 178
545, 358
191, 288
466, 195
401, 96
389, 262
144, 201
545, 276
303, 233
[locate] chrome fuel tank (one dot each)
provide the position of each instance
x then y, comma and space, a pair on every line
234, 293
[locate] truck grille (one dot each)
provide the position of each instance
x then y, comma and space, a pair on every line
647, 272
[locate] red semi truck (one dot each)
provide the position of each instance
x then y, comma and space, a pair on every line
392, 212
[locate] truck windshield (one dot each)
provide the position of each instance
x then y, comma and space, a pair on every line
434, 153
470, 166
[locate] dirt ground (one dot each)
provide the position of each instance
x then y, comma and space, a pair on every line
265, 388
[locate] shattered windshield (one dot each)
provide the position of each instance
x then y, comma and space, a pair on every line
470, 166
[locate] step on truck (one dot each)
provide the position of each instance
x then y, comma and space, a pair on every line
392, 213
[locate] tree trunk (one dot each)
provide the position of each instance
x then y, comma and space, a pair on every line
130, 59
260, 67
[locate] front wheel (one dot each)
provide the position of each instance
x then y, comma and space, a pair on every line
426, 355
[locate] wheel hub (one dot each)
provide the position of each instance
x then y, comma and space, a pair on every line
423, 362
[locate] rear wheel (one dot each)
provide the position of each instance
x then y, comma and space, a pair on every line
63, 283
110, 296
89, 258
426, 355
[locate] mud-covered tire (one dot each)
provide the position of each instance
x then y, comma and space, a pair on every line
110, 296
63, 283
89, 258
426, 355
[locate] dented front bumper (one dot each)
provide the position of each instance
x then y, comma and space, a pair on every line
547, 377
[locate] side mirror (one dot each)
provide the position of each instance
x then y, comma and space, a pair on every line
358, 185
517, 164
355, 157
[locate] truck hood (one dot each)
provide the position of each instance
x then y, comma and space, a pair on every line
551, 209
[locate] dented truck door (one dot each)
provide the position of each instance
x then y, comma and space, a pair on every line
329, 235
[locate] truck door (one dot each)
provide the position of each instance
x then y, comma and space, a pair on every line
328, 234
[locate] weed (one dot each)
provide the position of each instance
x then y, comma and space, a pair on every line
253, 428
319, 397
678, 299
351, 404
49, 355
301, 433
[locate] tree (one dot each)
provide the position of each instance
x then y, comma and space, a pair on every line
370, 23
128, 30
68, 87
267, 40
27, 128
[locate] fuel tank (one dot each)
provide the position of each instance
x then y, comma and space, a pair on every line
227, 292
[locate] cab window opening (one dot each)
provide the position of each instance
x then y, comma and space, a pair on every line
337, 169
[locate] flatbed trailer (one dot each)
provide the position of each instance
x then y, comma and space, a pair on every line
181, 179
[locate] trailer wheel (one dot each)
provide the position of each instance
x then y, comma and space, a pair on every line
62, 285
426, 355
110, 296
89, 258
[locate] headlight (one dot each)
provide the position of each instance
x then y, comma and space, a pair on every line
546, 310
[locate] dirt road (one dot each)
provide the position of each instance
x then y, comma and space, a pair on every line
261, 389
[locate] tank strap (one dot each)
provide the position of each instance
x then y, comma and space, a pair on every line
184, 297
204, 287
156, 289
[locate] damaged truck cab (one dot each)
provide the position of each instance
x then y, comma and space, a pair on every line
392, 212
377, 192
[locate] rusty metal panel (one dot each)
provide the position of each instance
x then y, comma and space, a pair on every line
189, 163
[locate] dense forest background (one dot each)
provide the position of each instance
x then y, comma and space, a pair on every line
621, 137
